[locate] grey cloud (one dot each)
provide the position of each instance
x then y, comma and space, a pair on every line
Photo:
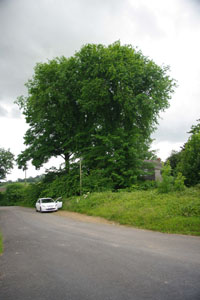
176, 132
195, 2
145, 21
15, 113
175, 125
12, 113
33, 31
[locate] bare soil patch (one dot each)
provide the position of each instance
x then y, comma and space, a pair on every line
83, 218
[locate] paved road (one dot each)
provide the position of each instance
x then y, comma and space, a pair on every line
51, 257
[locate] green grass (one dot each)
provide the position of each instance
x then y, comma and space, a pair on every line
175, 212
1, 243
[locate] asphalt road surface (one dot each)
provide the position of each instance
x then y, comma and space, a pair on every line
47, 256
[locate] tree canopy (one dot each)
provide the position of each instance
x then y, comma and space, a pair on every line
6, 162
102, 104
187, 161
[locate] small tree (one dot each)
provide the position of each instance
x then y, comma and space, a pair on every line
14, 193
179, 182
166, 185
6, 162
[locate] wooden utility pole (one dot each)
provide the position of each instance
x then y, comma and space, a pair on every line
25, 177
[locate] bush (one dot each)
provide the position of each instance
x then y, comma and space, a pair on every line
63, 185
96, 181
144, 185
32, 193
191, 209
15, 193
2, 199
179, 182
166, 185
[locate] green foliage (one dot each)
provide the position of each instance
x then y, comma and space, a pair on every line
166, 185
190, 209
170, 183
101, 105
96, 181
174, 212
2, 198
189, 164
58, 183
174, 159
14, 193
31, 179
179, 182
187, 161
31, 194
144, 185
63, 185
6, 162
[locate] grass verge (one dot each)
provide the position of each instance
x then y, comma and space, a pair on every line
175, 212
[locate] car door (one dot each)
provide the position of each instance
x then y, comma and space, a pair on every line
59, 203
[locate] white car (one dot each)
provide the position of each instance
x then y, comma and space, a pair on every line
47, 204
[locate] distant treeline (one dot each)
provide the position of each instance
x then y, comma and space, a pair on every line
30, 179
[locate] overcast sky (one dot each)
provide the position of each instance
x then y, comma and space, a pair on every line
36, 30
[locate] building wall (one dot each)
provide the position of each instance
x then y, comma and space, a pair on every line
156, 173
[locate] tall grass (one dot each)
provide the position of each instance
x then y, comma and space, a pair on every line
175, 212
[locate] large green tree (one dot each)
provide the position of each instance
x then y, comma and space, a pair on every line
102, 105
6, 162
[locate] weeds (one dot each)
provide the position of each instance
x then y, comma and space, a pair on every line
175, 212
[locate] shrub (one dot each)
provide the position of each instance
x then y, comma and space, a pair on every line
144, 185
96, 181
179, 182
62, 185
2, 199
14, 194
166, 185
32, 193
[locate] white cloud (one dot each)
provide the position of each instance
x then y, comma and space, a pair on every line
166, 147
3, 111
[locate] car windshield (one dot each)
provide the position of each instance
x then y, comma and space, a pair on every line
47, 200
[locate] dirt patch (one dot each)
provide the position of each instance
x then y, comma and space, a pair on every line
83, 218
